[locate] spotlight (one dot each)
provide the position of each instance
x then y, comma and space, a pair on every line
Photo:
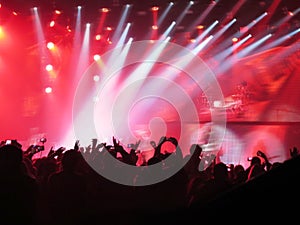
52, 23
48, 90
96, 57
98, 37
154, 8
96, 78
50, 45
234, 40
200, 27
57, 12
49, 67
154, 27
105, 10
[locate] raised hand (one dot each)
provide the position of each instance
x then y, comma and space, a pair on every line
76, 145
136, 145
115, 142
173, 141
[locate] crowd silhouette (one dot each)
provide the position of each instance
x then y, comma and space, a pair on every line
63, 187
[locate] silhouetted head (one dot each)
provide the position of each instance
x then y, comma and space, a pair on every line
11, 157
220, 171
195, 149
70, 160
255, 160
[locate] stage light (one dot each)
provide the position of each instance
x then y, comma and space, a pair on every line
97, 57
108, 28
154, 27
192, 2
50, 45
1, 32
154, 9
200, 27
49, 67
105, 10
79, 7
48, 90
52, 23
57, 12
234, 39
98, 37
15, 13
96, 78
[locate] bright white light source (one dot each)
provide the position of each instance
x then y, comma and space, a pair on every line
48, 90
96, 78
49, 67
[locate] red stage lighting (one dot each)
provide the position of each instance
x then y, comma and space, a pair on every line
154, 8
105, 10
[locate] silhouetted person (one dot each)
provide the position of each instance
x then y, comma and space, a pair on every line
213, 187
256, 168
67, 191
18, 191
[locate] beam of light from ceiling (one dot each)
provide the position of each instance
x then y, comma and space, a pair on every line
202, 45
280, 40
223, 58
233, 11
164, 14
286, 18
116, 53
247, 50
239, 34
202, 16
223, 30
104, 12
76, 42
118, 30
271, 10
77, 32
167, 32
254, 22
84, 55
184, 12
41, 40
203, 35
91, 97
